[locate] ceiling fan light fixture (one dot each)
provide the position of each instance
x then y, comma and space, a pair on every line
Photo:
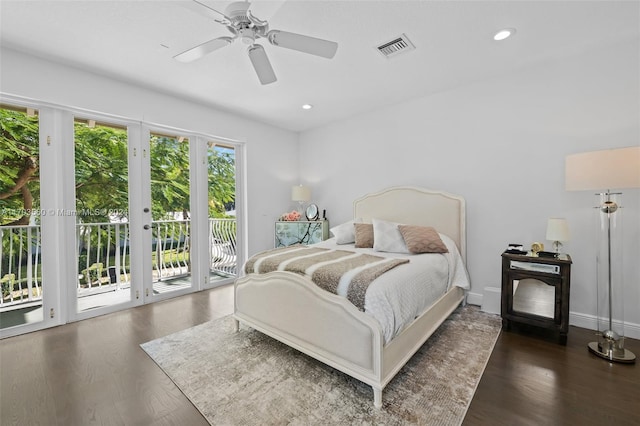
504, 34
247, 36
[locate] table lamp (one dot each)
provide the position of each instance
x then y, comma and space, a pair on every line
301, 194
558, 232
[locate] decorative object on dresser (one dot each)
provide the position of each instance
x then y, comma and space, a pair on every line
312, 212
300, 232
535, 291
536, 247
603, 171
300, 194
291, 216
370, 345
558, 232
516, 248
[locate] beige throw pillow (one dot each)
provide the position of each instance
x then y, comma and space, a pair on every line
364, 235
422, 239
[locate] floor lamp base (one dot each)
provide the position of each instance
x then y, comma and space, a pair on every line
613, 355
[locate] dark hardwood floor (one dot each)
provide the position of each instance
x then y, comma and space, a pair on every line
532, 380
94, 372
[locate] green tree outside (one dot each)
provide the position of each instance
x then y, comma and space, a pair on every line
19, 156
101, 173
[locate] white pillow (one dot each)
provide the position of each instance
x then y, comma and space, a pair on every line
344, 233
387, 237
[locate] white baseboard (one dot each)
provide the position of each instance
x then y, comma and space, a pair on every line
590, 322
474, 299
577, 319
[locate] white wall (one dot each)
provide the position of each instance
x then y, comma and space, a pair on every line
272, 153
501, 144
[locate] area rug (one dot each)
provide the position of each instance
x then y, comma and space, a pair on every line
247, 378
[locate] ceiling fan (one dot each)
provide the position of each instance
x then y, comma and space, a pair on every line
244, 26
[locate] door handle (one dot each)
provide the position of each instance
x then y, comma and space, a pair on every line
147, 227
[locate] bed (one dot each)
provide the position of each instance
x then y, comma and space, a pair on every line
292, 309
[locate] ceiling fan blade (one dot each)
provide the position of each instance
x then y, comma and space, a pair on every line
203, 49
261, 64
202, 9
302, 43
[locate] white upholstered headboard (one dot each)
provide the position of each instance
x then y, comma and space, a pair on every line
417, 206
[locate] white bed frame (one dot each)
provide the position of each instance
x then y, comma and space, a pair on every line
327, 327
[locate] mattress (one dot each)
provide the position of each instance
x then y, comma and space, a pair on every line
400, 295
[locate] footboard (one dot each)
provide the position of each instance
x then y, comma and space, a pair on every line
325, 326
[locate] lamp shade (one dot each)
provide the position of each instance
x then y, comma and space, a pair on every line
557, 229
608, 169
300, 193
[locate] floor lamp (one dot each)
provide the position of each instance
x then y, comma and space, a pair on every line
619, 169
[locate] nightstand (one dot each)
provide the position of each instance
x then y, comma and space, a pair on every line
535, 291
301, 232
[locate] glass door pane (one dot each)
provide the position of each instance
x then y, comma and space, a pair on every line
221, 173
21, 280
171, 213
102, 223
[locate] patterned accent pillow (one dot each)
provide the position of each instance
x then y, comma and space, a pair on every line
387, 237
422, 239
345, 233
364, 235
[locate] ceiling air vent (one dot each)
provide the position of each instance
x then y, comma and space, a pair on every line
396, 46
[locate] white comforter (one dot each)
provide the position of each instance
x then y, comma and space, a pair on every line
397, 297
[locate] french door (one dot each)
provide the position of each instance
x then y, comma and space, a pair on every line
123, 214
163, 239
134, 242
24, 292
189, 201
103, 255
167, 211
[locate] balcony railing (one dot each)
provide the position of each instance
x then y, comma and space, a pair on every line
20, 264
104, 256
222, 246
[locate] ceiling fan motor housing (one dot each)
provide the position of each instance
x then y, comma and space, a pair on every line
237, 11
243, 24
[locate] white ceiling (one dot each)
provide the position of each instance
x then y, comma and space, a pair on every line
126, 40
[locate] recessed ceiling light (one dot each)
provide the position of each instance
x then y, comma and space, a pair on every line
504, 34
307, 106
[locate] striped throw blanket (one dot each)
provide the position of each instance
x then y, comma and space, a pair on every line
336, 271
